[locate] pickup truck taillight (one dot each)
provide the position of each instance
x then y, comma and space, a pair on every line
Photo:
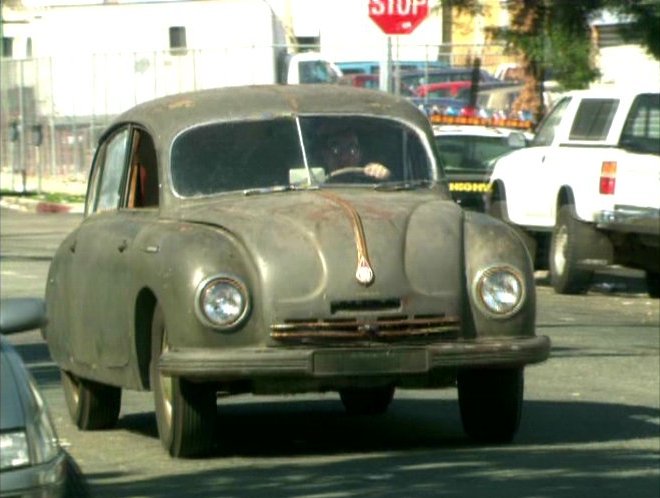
608, 177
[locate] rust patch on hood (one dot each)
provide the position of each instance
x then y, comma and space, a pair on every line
182, 104
364, 272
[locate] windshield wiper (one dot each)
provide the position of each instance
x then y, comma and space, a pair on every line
404, 185
276, 189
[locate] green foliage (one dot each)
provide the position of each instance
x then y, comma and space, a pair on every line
644, 27
59, 197
555, 34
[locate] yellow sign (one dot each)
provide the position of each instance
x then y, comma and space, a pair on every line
475, 120
469, 187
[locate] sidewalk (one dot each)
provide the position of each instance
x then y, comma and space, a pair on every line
30, 201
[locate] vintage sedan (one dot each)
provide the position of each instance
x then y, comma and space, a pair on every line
220, 254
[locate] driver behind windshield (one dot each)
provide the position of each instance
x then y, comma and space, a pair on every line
341, 154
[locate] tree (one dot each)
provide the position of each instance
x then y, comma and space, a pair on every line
555, 36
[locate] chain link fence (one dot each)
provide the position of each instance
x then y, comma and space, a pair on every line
52, 110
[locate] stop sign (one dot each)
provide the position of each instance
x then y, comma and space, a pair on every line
398, 17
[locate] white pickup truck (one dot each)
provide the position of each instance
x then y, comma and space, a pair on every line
586, 193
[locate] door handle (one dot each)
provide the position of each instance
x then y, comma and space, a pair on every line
72, 247
123, 246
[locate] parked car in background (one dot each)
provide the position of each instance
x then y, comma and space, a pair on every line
468, 147
372, 82
414, 79
32, 461
374, 67
231, 252
586, 193
442, 89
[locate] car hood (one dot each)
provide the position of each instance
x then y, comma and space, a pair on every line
310, 246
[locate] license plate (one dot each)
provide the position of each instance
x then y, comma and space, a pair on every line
365, 362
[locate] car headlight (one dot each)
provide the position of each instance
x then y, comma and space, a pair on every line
34, 445
14, 450
222, 301
500, 291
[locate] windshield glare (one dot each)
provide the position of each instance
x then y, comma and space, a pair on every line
299, 152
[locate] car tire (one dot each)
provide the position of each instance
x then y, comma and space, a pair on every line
92, 405
367, 401
185, 411
653, 284
490, 402
569, 244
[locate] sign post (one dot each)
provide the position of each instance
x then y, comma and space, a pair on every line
396, 17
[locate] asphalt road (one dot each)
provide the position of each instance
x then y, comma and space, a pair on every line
590, 428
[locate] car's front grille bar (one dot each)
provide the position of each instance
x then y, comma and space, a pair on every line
381, 328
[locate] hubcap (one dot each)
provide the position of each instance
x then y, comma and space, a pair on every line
75, 388
166, 386
559, 256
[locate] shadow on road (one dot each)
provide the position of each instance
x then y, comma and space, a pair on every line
417, 449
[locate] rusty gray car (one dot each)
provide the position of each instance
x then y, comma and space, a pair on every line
219, 254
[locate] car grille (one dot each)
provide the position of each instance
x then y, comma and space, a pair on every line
384, 328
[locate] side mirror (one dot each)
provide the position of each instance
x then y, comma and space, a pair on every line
516, 140
20, 314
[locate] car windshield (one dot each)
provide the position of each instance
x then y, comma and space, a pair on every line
298, 152
470, 152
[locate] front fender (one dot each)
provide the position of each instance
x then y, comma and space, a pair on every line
490, 242
183, 256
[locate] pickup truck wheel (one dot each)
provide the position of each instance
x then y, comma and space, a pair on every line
185, 411
367, 401
653, 283
92, 405
567, 245
490, 402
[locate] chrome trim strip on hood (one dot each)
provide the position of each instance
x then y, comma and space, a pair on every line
364, 272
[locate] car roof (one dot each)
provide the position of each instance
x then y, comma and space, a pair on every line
172, 114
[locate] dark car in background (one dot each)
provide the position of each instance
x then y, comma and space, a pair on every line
230, 257
468, 146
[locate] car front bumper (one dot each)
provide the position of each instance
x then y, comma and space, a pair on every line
323, 362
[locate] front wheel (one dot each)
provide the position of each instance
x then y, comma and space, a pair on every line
185, 411
490, 402
367, 401
92, 405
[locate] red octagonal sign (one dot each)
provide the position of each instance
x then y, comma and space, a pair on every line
398, 17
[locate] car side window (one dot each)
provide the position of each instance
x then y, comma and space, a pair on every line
143, 184
111, 165
641, 132
593, 119
545, 133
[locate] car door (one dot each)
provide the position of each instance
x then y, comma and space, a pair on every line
103, 261
540, 172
